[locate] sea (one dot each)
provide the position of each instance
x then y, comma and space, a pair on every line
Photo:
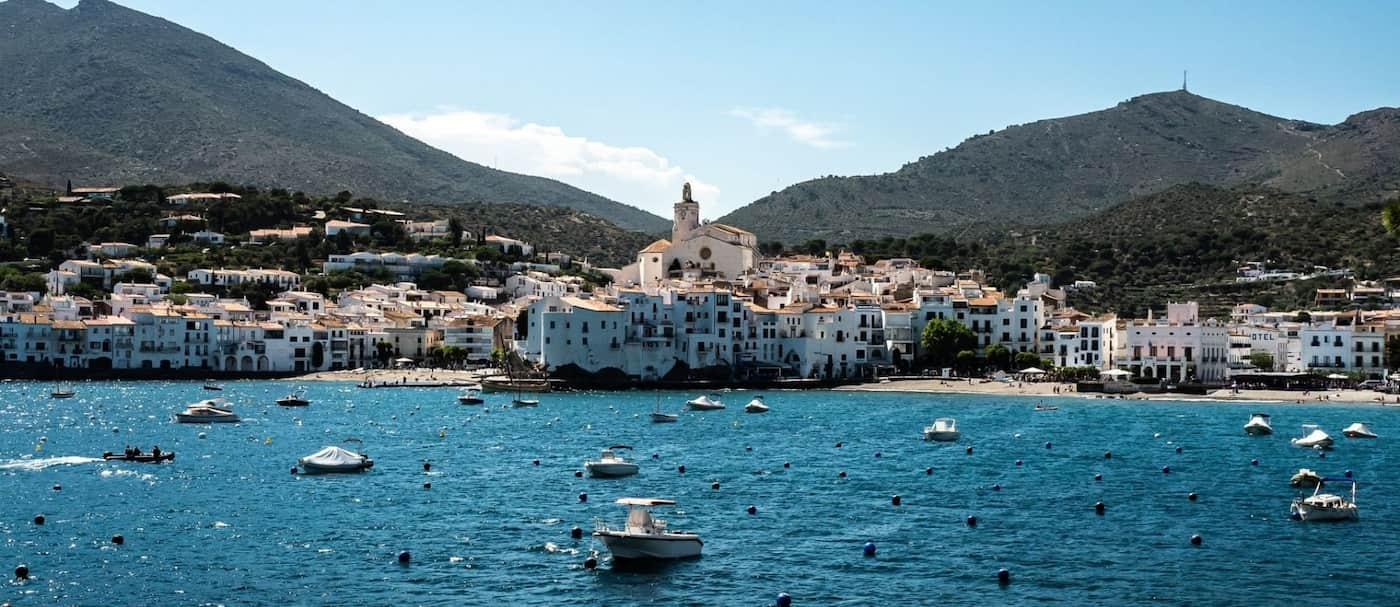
488, 520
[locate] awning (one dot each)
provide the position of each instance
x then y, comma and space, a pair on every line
404, 361
1115, 373
1031, 371
1337, 376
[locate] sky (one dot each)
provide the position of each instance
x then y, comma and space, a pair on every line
629, 99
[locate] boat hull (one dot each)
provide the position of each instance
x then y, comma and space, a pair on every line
755, 409
141, 459
470, 400
61, 395
664, 418
942, 436
1355, 434
525, 402
1308, 512
650, 547
308, 468
518, 385
293, 402
1257, 430
206, 419
610, 469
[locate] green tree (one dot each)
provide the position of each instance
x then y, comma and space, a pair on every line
1392, 352
1264, 361
138, 276
384, 352
964, 361
999, 356
1025, 360
454, 232
942, 339
1390, 216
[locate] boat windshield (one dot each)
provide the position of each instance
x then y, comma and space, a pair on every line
639, 519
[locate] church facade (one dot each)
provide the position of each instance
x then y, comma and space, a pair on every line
695, 251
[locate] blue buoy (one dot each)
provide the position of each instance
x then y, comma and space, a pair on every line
841, 474
1295, 516
787, 464
58, 487
1047, 445
1254, 462
753, 509
1347, 474
590, 563
869, 549
656, 456
996, 487
748, 448
928, 471
1322, 454
1098, 477
578, 474
877, 454
294, 469
784, 600
404, 557
715, 485
1166, 469
427, 466
1018, 462
38, 519
1195, 540
22, 572
1003, 576
838, 444
1191, 496
969, 450
583, 497
1108, 455
1178, 449
681, 468
896, 500
118, 539
536, 462
971, 521
576, 533
1098, 508
427, 485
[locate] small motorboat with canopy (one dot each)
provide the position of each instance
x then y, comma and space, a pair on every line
611, 464
644, 537
333, 459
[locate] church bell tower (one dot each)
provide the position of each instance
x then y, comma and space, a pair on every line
687, 216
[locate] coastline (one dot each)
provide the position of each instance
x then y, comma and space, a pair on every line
1022, 389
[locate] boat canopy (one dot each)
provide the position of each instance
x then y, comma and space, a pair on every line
619, 447
333, 456
645, 501
1259, 414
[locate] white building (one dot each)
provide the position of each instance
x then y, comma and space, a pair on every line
1180, 348
695, 250
1344, 345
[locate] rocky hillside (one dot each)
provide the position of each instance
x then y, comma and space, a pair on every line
103, 94
1066, 168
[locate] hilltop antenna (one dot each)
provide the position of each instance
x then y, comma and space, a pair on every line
1183, 81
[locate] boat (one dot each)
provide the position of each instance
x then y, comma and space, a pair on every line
1358, 430
704, 403
144, 458
524, 402
1045, 407
944, 429
1258, 425
62, 392
1326, 506
212, 387
658, 417
335, 459
506, 384
471, 395
611, 464
210, 411
1316, 439
1305, 478
645, 538
756, 406
295, 399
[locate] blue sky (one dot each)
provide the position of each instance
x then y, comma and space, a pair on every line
628, 99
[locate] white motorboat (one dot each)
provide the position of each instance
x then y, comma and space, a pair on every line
1305, 477
1316, 439
944, 429
335, 459
471, 395
611, 464
1258, 425
644, 537
1045, 407
1326, 506
525, 402
704, 403
209, 411
756, 406
1358, 430
295, 399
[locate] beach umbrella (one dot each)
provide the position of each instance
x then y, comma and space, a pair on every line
1032, 371
1337, 376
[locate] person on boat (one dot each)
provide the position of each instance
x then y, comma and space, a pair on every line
155, 451
127, 451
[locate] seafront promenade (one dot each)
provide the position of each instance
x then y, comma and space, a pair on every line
1014, 388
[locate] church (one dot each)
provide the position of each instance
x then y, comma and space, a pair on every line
695, 251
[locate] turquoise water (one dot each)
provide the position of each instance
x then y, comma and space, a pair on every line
226, 523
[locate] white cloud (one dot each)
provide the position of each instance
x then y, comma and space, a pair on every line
632, 174
815, 134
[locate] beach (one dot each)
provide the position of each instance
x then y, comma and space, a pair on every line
983, 386
414, 376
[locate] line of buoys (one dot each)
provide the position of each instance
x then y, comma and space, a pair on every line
971, 521
784, 600
404, 557
583, 496
590, 563
1196, 540
1098, 508
1003, 576
868, 549
576, 533
752, 509
118, 539
38, 519
22, 572
895, 500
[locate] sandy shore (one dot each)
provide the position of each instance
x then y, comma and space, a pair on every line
411, 376
941, 386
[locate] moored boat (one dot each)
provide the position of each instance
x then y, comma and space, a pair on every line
704, 403
1326, 506
1045, 407
209, 386
210, 411
1316, 439
756, 406
331, 459
525, 402
506, 384
1305, 477
295, 399
471, 395
1358, 430
643, 537
944, 429
1258, 425
59, 392
611, 464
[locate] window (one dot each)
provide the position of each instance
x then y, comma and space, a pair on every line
1023, 323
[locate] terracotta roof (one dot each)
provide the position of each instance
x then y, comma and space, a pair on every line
659, 246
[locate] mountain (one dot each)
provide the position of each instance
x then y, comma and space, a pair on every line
1066, 168
102, 94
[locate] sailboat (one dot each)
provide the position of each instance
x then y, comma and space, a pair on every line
62, 392
657, 417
